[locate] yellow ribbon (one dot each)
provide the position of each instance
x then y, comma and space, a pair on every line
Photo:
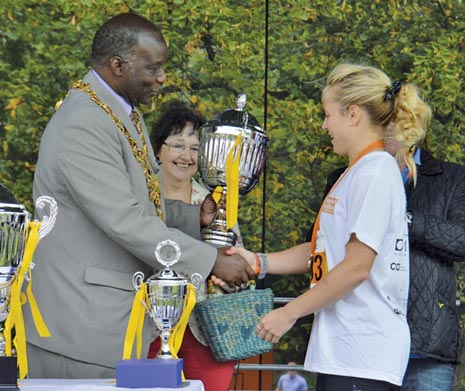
232, 182
39, 322
136, 323
177, 334
15, 319
217, 193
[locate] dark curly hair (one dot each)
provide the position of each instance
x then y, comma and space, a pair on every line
172, 120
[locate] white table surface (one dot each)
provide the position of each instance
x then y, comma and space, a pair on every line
95, 385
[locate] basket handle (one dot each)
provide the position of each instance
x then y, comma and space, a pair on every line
251, 284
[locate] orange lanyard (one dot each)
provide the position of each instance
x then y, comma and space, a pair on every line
365, 151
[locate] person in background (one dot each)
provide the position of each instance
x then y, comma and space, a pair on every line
96, 161
292, 381
360, 338
175, 141
435, 204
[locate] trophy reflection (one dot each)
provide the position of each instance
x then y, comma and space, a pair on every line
232, 136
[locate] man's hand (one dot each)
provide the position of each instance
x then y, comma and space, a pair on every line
232, 269
207, 210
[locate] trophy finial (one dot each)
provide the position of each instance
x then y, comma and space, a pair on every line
167, 253
241, 101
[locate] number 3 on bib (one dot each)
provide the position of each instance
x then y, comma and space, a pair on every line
317, 267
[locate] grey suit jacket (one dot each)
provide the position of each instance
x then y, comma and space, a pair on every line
107, 229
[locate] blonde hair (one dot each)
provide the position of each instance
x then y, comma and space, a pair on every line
383, 101
412, 117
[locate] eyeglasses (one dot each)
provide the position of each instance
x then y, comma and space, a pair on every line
180, 148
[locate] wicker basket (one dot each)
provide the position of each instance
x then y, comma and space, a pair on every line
228, 323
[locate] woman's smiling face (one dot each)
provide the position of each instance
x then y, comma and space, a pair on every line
336, 123
179, 154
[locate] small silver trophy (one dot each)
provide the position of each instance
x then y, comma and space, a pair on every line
217, 139
165, 302
166, 293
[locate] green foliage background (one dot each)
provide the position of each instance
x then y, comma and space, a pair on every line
279, 53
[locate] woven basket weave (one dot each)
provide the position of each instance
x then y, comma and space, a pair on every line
228, 323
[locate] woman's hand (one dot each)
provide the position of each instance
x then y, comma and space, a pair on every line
275, 324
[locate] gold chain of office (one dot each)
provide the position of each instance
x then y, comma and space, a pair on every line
141, 154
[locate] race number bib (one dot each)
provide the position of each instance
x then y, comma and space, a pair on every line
318, 264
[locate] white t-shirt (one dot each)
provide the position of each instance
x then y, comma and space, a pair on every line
365, 334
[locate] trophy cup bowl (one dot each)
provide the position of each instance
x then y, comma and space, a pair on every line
217, 138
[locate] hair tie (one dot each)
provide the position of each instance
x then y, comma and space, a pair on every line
412, 149
395, 88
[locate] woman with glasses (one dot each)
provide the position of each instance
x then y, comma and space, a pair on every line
175, 141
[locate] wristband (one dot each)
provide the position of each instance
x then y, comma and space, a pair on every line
257, 265
263, 265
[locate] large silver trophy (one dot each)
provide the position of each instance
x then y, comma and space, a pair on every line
217, 138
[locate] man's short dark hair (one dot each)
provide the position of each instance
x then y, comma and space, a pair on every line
120, 36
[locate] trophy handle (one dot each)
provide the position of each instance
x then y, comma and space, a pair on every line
196, 280
48, 221
137, 280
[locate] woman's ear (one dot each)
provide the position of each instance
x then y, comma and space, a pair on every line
355, 113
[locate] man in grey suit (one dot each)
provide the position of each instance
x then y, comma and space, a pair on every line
95, 161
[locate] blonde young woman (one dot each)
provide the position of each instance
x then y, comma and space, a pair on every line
359, 249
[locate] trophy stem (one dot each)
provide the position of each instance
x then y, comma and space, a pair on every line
217, 233
164, 352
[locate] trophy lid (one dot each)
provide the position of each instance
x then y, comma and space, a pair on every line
10, 206
167, 253
6, 196
237, 117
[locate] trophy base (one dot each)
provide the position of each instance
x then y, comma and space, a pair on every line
219, 238
8, 374
149, 373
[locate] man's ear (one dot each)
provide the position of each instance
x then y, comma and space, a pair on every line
116, 65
